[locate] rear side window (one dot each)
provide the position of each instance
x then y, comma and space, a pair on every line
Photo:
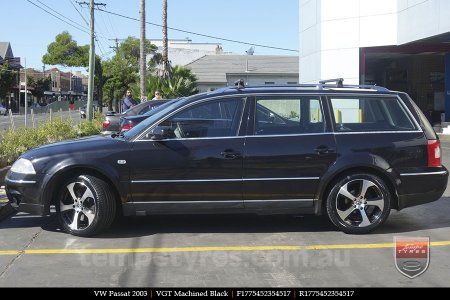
281, 116
370, 114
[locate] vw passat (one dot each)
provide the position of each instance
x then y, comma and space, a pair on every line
352, 153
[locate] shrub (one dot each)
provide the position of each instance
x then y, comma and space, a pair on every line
16, 142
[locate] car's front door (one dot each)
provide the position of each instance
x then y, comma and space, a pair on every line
287, 151
195, 163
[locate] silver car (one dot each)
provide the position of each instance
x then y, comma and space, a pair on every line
3, 110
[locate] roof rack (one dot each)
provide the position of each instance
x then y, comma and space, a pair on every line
323, 84
339, 82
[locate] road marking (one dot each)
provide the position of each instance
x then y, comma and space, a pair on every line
206, 249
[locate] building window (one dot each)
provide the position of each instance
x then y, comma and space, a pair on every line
269, 82
292, 82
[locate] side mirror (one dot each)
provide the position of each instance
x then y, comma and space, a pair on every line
160, 133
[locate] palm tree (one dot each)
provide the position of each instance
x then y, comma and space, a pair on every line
165, 71
182, 83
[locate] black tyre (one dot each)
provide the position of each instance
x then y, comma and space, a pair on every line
85, 205
359, 203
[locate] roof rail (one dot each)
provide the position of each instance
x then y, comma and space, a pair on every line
339, 83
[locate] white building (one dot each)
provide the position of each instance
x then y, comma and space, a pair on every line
215, 71
401, 44
183, 52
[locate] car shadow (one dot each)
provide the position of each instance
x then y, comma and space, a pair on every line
425, 217
129, 227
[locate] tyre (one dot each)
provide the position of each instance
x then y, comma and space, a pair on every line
359, 203
85, 205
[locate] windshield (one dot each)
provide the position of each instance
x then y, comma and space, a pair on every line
154, 115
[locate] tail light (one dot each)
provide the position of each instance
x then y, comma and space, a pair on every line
126, 127
105, 124
434, 153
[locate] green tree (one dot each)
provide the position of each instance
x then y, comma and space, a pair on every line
39, 85
121, 71
182, 83
66, 52
7, 80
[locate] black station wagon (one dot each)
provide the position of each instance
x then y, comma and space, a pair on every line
352, 153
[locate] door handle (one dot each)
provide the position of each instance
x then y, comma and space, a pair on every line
323, 150
230, 154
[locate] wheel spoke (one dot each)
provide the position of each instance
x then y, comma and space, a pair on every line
344, 192
90, 215
71, 191
365, 219
74, 224
87, 194
345, 213
364, 186
378, 202
63, 207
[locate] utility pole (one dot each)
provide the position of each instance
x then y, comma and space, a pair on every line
26, 92
143, 62
90, 101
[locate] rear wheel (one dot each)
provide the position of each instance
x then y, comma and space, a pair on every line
85, 205
359, 203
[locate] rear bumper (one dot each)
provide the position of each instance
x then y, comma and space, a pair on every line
422, 187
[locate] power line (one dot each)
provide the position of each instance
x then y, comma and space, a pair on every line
70, 20
199, 34
57, 17
81, 15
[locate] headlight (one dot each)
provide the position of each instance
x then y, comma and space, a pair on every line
23, 166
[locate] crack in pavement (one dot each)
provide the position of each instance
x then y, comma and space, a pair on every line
21, 252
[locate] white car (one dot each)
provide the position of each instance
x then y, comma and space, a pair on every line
3, 110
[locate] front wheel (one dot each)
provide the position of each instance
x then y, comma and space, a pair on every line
359, 203
85, 205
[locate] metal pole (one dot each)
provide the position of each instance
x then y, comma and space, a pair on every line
142, 62
90, 101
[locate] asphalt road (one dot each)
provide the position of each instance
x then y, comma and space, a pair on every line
19, 120
223, 251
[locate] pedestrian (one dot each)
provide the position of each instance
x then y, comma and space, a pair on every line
128, 101
157, 95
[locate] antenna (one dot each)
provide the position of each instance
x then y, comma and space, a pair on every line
239, 84
250, 51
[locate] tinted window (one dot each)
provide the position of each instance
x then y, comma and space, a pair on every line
370, 114
275, 116
218, 118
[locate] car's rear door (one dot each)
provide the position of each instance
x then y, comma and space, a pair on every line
287, 150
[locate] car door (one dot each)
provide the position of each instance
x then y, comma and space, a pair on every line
197, 161
287, 151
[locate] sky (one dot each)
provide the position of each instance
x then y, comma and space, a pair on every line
30, 29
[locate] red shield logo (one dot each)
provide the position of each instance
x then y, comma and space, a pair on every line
412, 255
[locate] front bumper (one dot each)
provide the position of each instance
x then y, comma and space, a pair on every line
24, 192
421, 187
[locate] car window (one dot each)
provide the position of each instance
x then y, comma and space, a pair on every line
275, 116
216, 118
370, 114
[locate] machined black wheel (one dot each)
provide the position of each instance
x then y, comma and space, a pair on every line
359, 203
85, 205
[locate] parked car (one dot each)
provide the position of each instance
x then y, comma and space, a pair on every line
3, 110
352, 153
83, 111
111, 123
126, 123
